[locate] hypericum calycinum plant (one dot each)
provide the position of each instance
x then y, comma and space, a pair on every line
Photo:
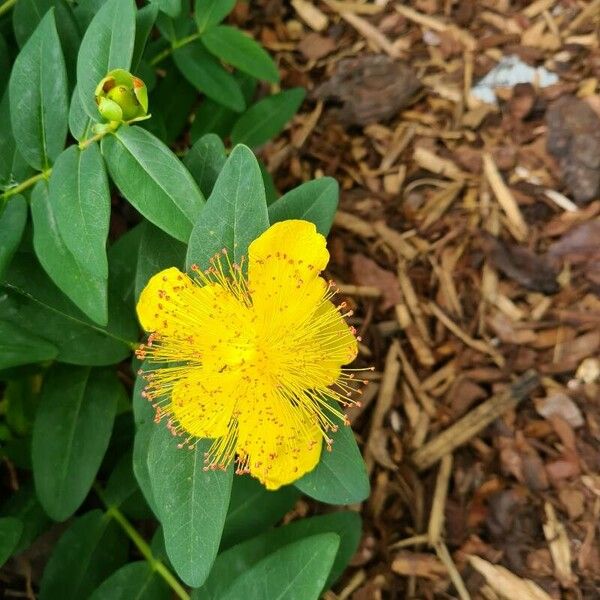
247, 358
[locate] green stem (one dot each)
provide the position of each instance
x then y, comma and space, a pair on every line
176, 44
7, 6
141, 544
17, 189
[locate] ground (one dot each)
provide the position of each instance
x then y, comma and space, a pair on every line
467, 241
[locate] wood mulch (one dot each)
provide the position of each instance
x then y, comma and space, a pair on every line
468, 244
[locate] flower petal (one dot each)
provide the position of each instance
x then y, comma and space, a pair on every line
203, 403
161, 300
278, 443
328, 345
283, 263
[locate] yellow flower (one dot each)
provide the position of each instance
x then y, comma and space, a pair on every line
251, 361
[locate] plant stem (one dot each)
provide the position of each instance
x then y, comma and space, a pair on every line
7, 6
176, 44
143, 547
17, 189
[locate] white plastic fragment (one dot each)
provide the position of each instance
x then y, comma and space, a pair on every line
507, 73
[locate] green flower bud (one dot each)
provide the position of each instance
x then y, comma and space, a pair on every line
122, 97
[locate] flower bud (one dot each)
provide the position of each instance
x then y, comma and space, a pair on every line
122, 97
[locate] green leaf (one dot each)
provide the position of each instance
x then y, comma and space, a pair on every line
38, 96
205, 160
11, 530
253, 509
122, 261
267, 118
134, 581
170, 7
157, 251
341, 476
27, 14
19, 347
209, 13
123, 491
87, 289
206, 74
295, 572
315, 201
70, 435
235, 213
270, 189
171, 102
5, 64
89, 550
143, 414
174, 29
31, 301
212, 117
237, 560
12, 225
241, 51
80, 123
106, 45
154, 180
144, 22
191, 502
24, 505
86, 10
80, 199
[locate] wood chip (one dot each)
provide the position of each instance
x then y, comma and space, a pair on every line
507, 584
505, 198
475, 421
354, 224
311, 15
556, 536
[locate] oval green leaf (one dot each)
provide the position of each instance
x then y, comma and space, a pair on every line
80, 123
169, 7
315, 201
11, 529
341, 476
20, 347
235, 213
240, 558
295, 572
208, 76
209, 13
135, 581
87, 289
28, 13
267, 117
191, 502
31, 301
205, 160
88, 552
253, 509
143, 415
106, 45
154, 180
38, 96
241, 51
80, 199
12, 224
70, 435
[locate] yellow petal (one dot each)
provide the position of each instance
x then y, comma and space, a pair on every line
279, 444
328, 345
203, 402
283, 274
161, 300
